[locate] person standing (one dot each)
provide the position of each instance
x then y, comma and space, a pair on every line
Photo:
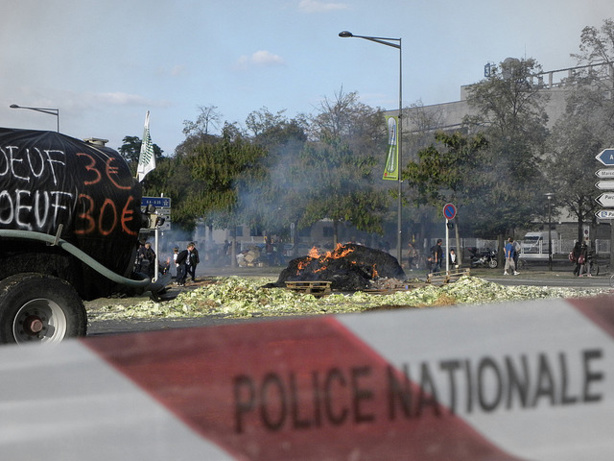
182, 264
517, 248
411, 256
437, 256
574, 257
454, 259
583, 261
510, 251
147, 259
192, 261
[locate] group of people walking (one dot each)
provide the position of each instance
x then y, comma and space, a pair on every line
184, 262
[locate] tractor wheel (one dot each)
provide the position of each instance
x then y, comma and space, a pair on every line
39, 308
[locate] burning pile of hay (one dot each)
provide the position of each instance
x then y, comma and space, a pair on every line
349, 267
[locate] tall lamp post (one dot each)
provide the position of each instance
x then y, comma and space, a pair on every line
395, 43
44, 110
549, 195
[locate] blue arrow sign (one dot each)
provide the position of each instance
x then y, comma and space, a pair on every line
606, 156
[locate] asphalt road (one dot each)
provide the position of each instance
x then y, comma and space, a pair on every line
535, 275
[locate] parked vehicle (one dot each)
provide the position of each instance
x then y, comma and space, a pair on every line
483, 257
70, 215
537, 242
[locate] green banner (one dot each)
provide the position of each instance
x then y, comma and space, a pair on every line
392, 159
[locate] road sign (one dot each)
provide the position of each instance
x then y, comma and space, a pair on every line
163, 208
605, 214
449, 210
606, 156
607, 184
158, 202
606, 199
605, 173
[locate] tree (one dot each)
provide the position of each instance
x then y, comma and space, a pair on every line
197, 132
277, 201
208, 116
586, 127
226, 169
345, 137
511, 115
445, 172
440, 177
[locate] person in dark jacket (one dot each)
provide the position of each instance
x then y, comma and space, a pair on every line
437, 256
192, 261
575, 256
147, 259
183, 262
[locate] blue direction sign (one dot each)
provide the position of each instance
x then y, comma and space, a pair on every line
606, 156
158, 202
449, 211
163, 208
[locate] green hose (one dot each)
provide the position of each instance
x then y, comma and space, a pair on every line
76, 252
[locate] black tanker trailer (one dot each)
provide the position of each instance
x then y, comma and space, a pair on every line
70, 215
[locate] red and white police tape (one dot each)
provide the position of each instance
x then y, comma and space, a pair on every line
502, 382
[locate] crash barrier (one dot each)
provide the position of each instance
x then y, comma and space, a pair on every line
507, 382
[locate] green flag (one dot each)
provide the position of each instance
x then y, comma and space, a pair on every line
147, 159
392, 160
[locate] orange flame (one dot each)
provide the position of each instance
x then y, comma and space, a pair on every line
338, 252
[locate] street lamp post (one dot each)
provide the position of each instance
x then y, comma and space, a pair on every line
44, 110
549, 195
395, 43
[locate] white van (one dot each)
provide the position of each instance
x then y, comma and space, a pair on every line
537, 242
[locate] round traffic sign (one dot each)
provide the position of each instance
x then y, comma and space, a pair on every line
449, 211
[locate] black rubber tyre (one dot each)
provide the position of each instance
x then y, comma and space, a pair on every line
493, 263
39, 308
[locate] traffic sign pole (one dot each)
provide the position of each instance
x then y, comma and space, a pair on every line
163, 209
606, 157
449, 211
447, 248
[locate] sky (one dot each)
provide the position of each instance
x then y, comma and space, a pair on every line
105, 63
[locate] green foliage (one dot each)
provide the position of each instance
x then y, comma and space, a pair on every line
440, 177
586, 127
511, 115
339, 164
207, 182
